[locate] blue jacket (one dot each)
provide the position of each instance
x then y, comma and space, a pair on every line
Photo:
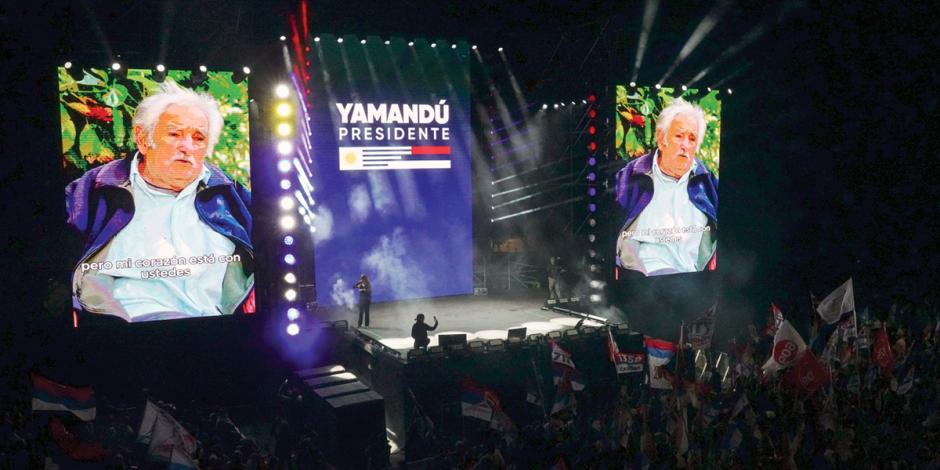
634, 191
100, 204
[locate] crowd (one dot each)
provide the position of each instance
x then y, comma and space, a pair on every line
733, 416
279, 437
864, 417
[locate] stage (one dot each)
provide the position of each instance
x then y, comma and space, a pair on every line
482, 317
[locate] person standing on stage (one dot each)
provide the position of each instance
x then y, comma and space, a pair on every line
554, 278
419, 331
365, 298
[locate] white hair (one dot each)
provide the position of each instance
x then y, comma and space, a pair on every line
150, 109
677, 107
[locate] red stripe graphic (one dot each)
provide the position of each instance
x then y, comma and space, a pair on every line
431, 150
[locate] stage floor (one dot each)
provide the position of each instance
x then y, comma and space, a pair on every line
479, 317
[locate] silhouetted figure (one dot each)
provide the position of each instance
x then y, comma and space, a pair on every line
419, 331
365, 298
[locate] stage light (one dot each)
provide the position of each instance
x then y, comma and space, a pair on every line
283, 166
316, 39
474, 47
203, 69
286, 203
592, 208
281, 90
290, 278
592, 191
592, 146
288, 222
500, 49
115, 66
592, 222
302, 212
573, 103
708, 88
592, 113
285, 184
562, 103
729, 91
555, 106
160, 75
591, 176
293, 314
284, 129
453, 46
283, 38
583, 101
411, 43
591, 238
433, 44
633, 84
387, 42
339, 40
362, 41
592, 253
684, 88
595, 298
288, 240
284, 109
293, 329
284, 147
289, 259
313, 229
592, 130
290, 295
594, 268
658, 86
592, 161
544, 106
68, 65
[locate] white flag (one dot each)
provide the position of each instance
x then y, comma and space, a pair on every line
788, 344
841, 300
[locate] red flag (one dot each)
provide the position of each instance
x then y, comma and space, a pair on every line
882, 352
807, 374
76, 449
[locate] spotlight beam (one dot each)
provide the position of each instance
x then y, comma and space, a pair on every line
704, 27
528, 196
751, 36
649, 15
537, 209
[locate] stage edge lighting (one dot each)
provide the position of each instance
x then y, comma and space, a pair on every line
293, 329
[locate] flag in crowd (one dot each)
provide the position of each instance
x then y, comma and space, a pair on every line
807, 374
788, 345
167, 440
566, 377
49, 395
702, 329
659, 353
625, 362
882, 354
473, 402
839, 302
775, 320
76, 448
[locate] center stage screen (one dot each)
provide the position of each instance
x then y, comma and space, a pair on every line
392, 176
667, 194
157, 192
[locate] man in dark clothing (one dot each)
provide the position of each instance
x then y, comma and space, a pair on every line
365, 298
419, 331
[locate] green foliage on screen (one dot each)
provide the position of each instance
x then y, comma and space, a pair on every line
97, 111
636, 113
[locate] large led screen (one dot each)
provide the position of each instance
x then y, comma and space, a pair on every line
157, 192
667, 194
392, 170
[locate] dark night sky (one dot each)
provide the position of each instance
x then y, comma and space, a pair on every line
829, 159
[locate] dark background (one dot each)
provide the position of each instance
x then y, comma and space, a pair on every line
829, 140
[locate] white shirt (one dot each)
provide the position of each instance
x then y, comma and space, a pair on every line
669, 230
166, 227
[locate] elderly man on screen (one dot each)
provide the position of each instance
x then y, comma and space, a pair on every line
670, 199
166, 234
